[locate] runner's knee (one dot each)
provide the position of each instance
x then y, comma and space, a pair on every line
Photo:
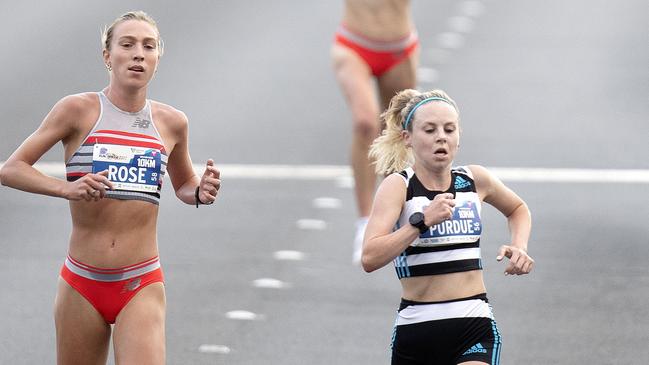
366, 128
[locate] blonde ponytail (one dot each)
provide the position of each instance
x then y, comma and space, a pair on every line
389, 150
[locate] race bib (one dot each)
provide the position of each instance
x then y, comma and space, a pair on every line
465, 226
129, 168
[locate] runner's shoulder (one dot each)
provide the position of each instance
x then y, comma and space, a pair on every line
75, 107
168, 115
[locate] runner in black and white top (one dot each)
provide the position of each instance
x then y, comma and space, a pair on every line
426, 219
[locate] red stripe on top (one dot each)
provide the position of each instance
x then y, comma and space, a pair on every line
129, 134
124, 142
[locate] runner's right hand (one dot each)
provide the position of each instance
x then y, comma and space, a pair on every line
90, 187
439, 210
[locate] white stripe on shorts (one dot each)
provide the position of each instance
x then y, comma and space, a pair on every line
379, 46
116, 275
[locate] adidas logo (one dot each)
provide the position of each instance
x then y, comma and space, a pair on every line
461, 183
475, 348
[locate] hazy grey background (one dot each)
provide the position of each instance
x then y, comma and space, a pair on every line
539, 84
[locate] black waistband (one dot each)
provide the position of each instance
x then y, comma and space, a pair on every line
406, 302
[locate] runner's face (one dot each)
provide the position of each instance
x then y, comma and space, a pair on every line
435, 134
133, 54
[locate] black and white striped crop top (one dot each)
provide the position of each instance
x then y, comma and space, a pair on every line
450, 246
129, 146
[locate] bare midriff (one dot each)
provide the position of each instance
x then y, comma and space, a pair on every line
113, 233
380, 20
434, 288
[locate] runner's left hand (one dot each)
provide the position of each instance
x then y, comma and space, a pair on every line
520, 262
210, 183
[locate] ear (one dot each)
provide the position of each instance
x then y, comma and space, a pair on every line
106, 56
406, 138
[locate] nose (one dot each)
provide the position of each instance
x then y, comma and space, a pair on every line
138, 54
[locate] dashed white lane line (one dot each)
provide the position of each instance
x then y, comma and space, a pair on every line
311, 224
461, 24
450, 40
270, 283
243, 315
472, 8
345, 181
342, 173
437, 56
427, 75
327, 203
214, 349
289, 255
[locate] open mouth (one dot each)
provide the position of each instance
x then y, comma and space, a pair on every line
441, 152
136, 68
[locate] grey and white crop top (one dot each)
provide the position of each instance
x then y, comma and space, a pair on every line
129, 146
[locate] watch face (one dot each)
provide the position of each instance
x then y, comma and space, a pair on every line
416, 218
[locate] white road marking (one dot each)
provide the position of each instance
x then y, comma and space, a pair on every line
473, 8
270, 283
289, 255
437, 56
311, 224
450, 40
572, 175
427, 75
242, 315
461, 24
342, 173
327, 203
214, 349
345, 181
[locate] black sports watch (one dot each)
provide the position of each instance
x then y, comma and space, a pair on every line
417, 220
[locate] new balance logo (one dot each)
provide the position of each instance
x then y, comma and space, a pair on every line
132, 285
461, 183
141, 123
477, 348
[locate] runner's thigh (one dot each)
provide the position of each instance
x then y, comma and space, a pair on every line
356, 82
139, 332
401, 76
82, 335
